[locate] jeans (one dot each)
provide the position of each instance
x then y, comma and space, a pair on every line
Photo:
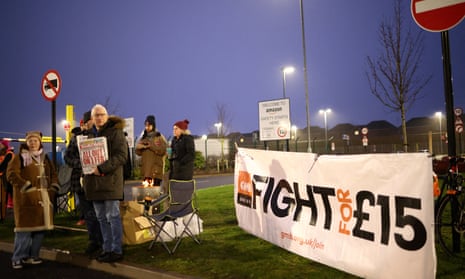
92, 224
27, 244
108, 216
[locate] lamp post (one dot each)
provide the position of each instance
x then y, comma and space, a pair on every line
294, 129
307, 106
325, 113
205, 138
286, 70
218, 128
438, 114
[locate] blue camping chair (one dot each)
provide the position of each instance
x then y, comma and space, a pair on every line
181, 207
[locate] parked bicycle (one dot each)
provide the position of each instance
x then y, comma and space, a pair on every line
450, 212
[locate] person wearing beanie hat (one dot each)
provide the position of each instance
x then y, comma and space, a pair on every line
182, 152
33, 177
150, 120
183, 124
152, 148
4, 144
34, 134
86, 117
6, 190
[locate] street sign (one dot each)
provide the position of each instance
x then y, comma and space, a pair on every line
458, 111
364, 131
365, 141
51, 85
438, 15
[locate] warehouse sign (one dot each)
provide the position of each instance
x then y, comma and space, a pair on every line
274, 119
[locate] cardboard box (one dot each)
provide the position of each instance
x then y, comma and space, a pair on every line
132, 233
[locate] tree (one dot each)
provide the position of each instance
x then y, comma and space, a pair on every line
394, 76
224, 118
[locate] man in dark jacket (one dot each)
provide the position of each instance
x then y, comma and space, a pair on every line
86, 207
105, 185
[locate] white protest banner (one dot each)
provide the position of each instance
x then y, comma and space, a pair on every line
370, 215
93, 152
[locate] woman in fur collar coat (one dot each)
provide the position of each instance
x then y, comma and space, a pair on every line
34, 181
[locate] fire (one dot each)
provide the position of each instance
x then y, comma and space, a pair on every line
147, 183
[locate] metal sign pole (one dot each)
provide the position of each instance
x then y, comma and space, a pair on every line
450, 116
54, 134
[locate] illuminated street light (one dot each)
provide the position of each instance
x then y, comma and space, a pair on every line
218, 127
438, 114
286, 70
325, 113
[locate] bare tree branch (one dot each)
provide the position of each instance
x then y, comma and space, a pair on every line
394, 76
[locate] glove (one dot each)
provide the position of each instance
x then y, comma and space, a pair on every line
26, 187
55, 187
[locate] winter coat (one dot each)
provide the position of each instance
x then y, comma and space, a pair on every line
109, 185
72, 159
182, 158
33, 197
152, 149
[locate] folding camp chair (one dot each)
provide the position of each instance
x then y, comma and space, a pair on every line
181, 210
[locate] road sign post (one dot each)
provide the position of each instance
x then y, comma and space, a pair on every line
440, 16
50, 87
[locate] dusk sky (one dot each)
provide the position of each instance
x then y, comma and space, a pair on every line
178, 59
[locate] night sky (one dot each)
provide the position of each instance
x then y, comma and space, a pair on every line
179, 59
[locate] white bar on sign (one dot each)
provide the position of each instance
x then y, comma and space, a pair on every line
429, 5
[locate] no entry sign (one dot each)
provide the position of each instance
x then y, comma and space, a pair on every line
51, 85
438, 15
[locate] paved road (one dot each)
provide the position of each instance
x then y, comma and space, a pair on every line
201, 183
49, 269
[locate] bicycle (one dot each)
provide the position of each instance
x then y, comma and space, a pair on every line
450, 213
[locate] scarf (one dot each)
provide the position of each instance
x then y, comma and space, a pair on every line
28, 156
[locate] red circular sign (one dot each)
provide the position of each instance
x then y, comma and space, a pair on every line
51, 85
438, 16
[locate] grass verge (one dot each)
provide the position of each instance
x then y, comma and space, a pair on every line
226, 250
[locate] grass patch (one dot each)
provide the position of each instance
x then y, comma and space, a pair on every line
226, 250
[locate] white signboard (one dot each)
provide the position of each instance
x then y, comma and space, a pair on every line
275, 120
369, 215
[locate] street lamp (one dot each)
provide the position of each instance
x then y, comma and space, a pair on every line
218, 127
438, 114
286, 70
325, 113
205, 138
294, 129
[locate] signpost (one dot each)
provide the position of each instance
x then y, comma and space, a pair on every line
440, 16
51, 87
274, 119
